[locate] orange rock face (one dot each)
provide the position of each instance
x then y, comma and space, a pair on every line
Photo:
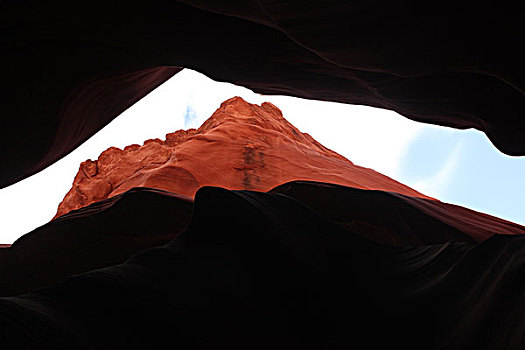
241, 146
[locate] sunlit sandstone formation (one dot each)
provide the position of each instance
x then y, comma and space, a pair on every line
241, 146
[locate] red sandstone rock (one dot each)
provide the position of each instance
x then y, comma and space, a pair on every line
241, 146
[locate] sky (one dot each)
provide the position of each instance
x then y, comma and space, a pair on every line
454, 166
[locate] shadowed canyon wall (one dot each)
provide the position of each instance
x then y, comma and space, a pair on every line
69, 69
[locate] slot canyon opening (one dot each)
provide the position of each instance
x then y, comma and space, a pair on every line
454, 166
206, 215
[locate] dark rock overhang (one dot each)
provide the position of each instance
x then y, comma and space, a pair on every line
70, 68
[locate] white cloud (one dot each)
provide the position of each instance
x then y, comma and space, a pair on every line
369, 137
436, 185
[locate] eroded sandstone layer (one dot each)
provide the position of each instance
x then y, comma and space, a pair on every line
242, 146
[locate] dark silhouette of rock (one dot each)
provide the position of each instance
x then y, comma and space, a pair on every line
71, 68
103, 234
110, 231
255, 270
241, 146
396, 219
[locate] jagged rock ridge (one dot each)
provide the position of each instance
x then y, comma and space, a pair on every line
242, 146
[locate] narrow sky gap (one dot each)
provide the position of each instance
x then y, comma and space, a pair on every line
455, 166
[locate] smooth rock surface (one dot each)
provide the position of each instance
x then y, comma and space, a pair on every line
110, 231
103, 234
395, 219
260, 270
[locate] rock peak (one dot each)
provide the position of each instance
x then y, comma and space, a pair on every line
235, 100
237, 107
242, 105
241, 146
